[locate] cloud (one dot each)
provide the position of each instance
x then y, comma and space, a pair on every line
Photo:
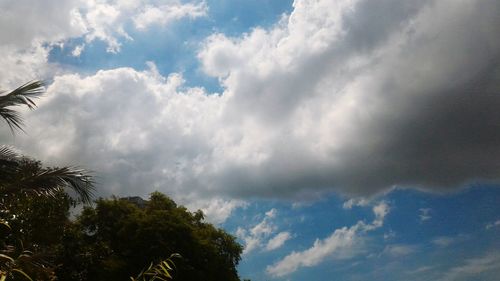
421, 269
347, 96
399, 250
255, 237
107, 21
342, 243
77, 51
165, 14
361, 202
445, 241
23, 23
338, 96
487, 267
492, 224
20, 66
424, 214
216, 210
141, 132
278, 241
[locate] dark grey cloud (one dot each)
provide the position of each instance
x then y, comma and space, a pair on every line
423, 82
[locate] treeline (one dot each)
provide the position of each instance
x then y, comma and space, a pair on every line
115, 239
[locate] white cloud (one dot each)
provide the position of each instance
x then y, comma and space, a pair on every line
271, 213
342, 243
424, 214
486, 267
341, 238
23, 23
255, 237
348, 96
107, 20
493, 224
165, 14
278, 240
361, 202
77, 51
21, 66
141, 132
445, 241
399, 250
421, 269
216, 210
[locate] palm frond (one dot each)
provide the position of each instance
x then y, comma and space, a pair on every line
24, 95
9, 163
49, 181
162, 271
9, 153
25, 175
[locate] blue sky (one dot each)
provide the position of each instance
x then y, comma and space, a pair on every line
336, 139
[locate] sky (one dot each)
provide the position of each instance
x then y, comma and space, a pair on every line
336, 139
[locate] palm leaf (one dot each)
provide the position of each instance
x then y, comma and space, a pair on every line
48, 181
22, 273
24, 95
21, 174
161, 271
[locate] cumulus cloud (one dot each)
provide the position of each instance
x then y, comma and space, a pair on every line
347, 96
136, 129
216, 210
342, 243
361, 96
255, 237
22, 65
25, 21
107, 20
165, 14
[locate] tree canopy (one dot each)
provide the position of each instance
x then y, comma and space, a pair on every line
116, 238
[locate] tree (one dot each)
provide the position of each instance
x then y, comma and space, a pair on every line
115, 239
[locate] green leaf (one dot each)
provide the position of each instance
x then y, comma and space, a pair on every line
22, 273
2, 256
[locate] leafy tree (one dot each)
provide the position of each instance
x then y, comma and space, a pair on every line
116, 238
33, 224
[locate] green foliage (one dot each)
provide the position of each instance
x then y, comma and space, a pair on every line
115, 239
32, 222
162, 271
21, 174
16, 263
24, 95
